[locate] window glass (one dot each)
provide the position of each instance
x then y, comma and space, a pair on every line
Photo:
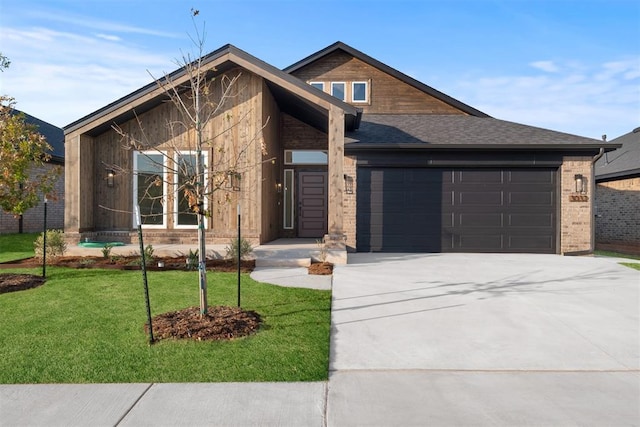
359, 92
150, 187
288, 198
186, 195
318, 85
338, 90
305, 157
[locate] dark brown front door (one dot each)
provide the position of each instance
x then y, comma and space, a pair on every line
312, 204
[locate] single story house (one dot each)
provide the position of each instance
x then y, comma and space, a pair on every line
348, 149
617, 205
32, 220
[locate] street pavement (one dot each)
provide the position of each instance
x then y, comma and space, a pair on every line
416, 339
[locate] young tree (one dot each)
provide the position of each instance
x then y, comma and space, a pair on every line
197, 100
23, 155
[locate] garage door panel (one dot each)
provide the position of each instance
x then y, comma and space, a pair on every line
448, 210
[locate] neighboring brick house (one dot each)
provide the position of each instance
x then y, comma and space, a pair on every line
617, 207
32, 220
356, 152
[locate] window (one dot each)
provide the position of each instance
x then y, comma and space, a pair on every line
359, 92
305, 157
150, 188
288, 199
318, 85
185, 198
338, 90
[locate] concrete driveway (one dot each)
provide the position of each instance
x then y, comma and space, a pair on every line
484, 339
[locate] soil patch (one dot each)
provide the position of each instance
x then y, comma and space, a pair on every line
11, 282
321, 268
133, 263
220, 323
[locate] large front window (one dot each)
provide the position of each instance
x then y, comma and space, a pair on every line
150, 188
165, 186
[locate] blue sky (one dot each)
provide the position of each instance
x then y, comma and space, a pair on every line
567, 65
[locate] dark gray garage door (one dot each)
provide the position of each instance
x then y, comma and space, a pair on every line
456, 210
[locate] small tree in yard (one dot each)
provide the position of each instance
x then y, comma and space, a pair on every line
197, 99
23, 155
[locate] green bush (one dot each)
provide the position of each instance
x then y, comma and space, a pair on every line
56, 246
232, 248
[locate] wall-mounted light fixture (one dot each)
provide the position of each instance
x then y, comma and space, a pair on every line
279, 187
110, 176
348, 184
579, 183
233, 180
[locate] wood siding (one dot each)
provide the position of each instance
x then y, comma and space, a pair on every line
235, 136
387, 94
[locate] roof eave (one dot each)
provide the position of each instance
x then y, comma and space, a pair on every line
358, 146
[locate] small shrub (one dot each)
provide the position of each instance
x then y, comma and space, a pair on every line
148, 256
232, 248
87, 262
56, 246
323, 251
106, 250
192, 259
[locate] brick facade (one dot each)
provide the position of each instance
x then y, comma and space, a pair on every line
349, 202
576, 225
617, 211
33, 219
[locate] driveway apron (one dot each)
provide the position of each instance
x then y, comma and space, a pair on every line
484, 339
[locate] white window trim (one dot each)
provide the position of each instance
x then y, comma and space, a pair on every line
164, 187
366, 92
318, 83
205, 159
289, 192
344, 84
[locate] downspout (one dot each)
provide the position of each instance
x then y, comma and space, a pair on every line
593, 193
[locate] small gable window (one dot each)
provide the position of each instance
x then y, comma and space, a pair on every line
318, 85
359, 92
338, 90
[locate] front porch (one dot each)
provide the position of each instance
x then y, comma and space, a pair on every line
277, 253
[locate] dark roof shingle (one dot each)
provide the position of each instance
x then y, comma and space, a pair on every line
625, 161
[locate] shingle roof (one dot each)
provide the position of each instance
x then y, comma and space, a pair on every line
625, 161
53, 134
432, 131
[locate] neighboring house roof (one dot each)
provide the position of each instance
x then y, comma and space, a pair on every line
53, 134
387, 69
292, 95
623, 162
379, 131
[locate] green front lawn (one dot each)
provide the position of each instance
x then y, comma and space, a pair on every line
86, 326
16, 246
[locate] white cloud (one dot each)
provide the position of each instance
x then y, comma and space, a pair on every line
578, 98
548, 66
109, 37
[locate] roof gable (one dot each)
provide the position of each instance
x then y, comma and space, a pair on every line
339, 46
288, 89
53, 134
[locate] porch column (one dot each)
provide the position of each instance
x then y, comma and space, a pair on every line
336, 238
78, 187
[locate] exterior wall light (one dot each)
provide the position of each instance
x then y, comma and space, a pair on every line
279, 187
110, 176
233, 180
579, 183
348, 184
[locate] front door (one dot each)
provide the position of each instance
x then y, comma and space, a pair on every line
312, 204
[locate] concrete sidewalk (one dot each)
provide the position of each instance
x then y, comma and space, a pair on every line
441, 339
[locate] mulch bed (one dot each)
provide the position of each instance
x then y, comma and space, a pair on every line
11, 282
220, 323
132, 263
321, 268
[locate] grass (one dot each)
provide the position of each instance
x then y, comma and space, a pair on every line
616, 254
16, 246
86, 326
633, 265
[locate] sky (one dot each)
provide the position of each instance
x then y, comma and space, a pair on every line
567, 65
